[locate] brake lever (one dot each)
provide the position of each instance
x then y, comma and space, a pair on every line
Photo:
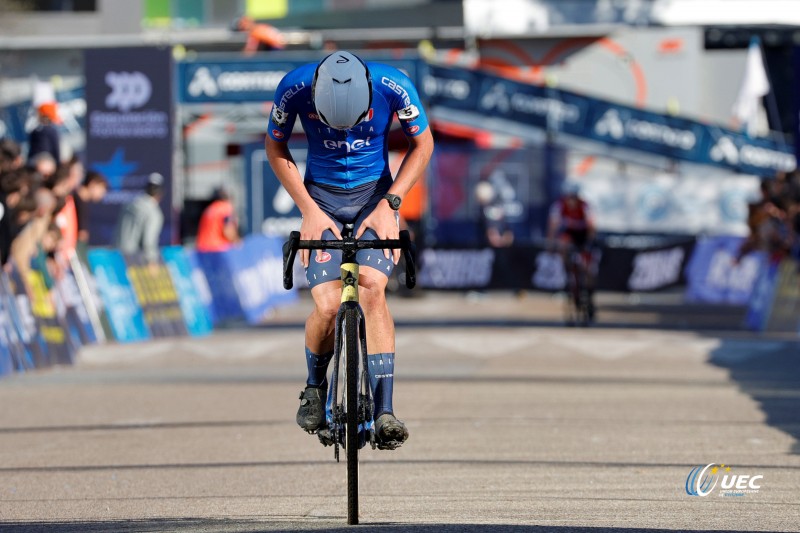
289, 253
409, 253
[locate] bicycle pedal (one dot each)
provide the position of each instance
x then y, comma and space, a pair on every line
389, 444
326, 437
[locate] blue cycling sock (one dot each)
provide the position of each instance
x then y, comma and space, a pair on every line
317, 367
381, 380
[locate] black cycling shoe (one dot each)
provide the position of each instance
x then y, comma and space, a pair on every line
311, 414
390, 433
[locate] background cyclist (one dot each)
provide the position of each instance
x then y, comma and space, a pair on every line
346, 108
571, 224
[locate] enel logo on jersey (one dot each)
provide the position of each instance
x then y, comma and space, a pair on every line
348, 146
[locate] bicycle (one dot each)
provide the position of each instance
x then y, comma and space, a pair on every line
349, 416
578, 310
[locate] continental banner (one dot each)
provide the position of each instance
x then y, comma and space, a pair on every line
495, 103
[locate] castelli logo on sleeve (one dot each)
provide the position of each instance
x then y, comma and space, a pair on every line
324, 257
278, 134
413, 129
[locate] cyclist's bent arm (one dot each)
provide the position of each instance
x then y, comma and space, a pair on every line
414, 163
382, 219
284, 167
315, 222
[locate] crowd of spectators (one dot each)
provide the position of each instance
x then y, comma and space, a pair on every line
774, 219
43, 205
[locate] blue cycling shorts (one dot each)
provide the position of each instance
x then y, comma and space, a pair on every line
347, 206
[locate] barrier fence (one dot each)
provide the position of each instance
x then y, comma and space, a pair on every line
47, 314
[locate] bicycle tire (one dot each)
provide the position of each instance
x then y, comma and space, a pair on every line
351, 342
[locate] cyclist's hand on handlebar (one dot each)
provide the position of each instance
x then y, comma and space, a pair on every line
384, 222
313, 226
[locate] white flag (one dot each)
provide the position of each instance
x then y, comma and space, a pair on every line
748, 109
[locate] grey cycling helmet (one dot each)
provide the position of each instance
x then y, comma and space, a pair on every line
342, 90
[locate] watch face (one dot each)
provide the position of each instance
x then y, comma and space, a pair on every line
394, 201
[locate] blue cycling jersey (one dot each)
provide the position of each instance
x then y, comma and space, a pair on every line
356, 156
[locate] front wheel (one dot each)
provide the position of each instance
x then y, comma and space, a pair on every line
350, 351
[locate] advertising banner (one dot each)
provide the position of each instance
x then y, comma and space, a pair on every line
125, 316
649, 266
75, 314
249, 80
50, 328
247, 280
195, 313
152, 284
716, 274
129, 129
9, 319
492, 98
26, 322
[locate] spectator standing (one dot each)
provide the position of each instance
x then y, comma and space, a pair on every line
140, 222
91, 191
45, 137
219, 228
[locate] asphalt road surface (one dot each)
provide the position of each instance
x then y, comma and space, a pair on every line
517, 425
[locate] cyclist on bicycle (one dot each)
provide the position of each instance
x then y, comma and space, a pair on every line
346, 107
571, 225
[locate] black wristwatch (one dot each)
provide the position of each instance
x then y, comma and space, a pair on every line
394, 200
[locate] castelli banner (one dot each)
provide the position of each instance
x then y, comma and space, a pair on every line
129, 99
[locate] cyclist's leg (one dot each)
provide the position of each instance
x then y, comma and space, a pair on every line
323, 277
380, 344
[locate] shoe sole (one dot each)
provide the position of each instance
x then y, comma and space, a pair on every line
391, 436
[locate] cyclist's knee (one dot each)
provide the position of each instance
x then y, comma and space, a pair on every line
326, 300
372, 289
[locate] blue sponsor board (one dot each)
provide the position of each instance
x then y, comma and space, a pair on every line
249, 80
247, 280
129, 133
555, 110
195, 313
716, 273
124, 313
